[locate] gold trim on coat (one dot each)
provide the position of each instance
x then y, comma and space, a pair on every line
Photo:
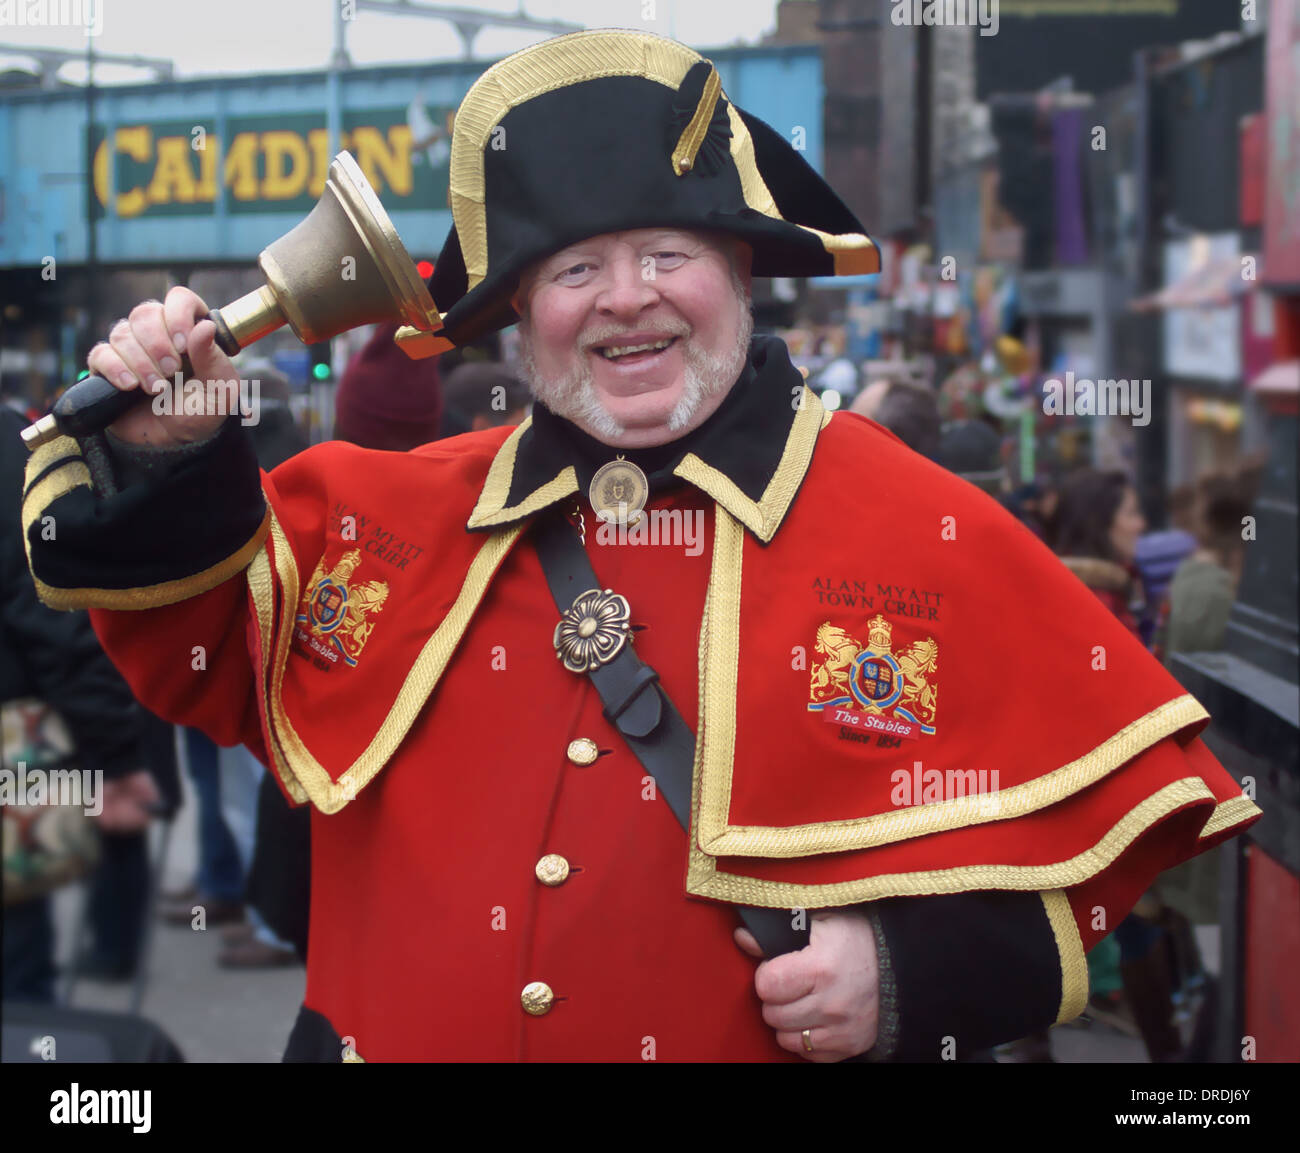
325, 793
704, 879
67, 475
261, 586
61, 481
764, 516
715, 737
63, 448
1228, 813
490, 511
720, 839
145, 596
1069, 947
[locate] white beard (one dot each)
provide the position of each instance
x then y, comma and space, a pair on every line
573, 396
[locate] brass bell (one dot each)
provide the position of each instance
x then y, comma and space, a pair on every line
341, 267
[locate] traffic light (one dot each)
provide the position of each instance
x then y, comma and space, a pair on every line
322, 363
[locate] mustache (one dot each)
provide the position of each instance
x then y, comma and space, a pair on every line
596, 336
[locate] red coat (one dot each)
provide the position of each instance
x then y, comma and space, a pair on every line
852, 623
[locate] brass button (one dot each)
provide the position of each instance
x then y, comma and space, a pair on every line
583, 751
552, 869
537, 998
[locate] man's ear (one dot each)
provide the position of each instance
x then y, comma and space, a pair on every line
523, 289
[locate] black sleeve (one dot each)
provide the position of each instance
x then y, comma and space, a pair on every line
979, 968
56, 656
182, 522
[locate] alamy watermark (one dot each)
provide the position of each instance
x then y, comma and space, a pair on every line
29, 788
674, 527
922, 786
181, 397
981, 14
1083, 397
87, 15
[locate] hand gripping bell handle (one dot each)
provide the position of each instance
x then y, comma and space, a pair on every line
92, 404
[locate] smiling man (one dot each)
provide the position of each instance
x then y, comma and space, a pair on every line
636, 337
580, 796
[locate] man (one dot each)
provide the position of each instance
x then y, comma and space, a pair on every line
387, 401
909, 411
52, 666
496, 874
482, 394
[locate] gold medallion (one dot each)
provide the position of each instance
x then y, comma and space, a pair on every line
618, 492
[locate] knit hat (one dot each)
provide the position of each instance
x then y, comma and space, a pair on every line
386, 400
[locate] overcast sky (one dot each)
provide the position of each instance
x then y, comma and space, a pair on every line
292, 35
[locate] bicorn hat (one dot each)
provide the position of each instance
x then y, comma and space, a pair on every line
608, 131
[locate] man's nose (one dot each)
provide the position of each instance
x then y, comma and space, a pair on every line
625, 291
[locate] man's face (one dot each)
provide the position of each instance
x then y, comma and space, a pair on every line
674, 291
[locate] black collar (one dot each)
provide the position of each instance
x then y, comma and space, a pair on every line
750, 455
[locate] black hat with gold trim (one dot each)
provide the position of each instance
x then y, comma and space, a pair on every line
608, 131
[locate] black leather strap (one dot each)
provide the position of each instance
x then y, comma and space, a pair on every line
636, 704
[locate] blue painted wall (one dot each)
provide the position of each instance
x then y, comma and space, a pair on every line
43, 180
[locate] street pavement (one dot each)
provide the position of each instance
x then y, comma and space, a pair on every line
216, 1014
212, 1014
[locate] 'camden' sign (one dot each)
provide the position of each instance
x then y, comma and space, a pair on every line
263, 164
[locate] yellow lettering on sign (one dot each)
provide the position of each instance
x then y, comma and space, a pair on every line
207, 189
135, 143
392, 155
241, 166
281, 183
292, 164
318, 140
173, 178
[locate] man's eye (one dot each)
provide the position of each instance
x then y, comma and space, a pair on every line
670, 259
574, 272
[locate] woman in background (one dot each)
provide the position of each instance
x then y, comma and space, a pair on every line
1095, 533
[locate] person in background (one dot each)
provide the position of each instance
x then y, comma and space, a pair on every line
226, 781
54, 658
1205, 584
1160, 553
1194, 619
260, 831
218, 884
386, 400
478, 395
1033, 505
1095, 533
910, 412
973, 450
